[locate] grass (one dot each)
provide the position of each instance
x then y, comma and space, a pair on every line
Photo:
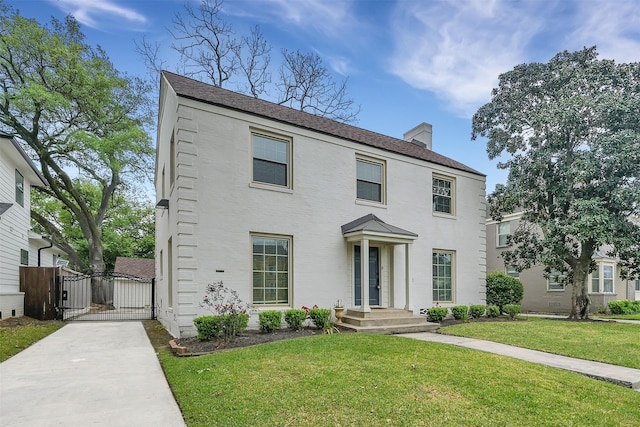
381, 380
608, 342
635, 316
15, 339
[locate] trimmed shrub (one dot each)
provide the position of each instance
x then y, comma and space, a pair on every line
503, 289
460, 312
624, 307
208, 327
294, 318
493, 311
436, 314
476, 311
512, 310
270, 320
320, 317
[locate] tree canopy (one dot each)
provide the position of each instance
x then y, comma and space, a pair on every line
81, 119
210, 51
568, 133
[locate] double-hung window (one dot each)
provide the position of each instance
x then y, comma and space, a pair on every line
370, 180
271, 269
443, 191
443, 276
19, 188
602, 278
271, 160
555, 282
504, 229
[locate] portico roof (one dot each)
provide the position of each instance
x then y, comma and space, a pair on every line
376, 229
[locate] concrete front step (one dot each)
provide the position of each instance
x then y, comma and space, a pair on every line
379, 313
383, 321
392, 329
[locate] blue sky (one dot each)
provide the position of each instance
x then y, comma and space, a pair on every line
408, 61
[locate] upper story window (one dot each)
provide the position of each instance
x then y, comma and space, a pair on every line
271, 160
555, 282
443, 190
602, 278
504, 229
370, 180
19, 188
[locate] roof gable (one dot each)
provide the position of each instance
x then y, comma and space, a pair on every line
20, 158
203, 92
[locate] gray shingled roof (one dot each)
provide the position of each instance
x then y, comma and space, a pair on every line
373, 224
199, 91
144, 268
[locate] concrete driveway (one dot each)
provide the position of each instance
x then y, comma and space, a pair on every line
88, 374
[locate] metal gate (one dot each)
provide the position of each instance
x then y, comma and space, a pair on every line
105, 296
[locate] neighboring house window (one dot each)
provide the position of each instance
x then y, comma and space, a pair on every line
555, 282
370, 180
19, 188
443, 192
637, 285
504, 229
511, 271
602, 278
24, 257
443, 278
271, 160
271, 276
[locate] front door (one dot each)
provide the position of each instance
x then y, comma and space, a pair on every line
374, 275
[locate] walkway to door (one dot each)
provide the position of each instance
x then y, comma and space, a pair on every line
88, 373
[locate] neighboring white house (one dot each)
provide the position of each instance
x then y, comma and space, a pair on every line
279, 204
17, 175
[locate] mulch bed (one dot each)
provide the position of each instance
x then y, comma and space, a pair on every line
194, 347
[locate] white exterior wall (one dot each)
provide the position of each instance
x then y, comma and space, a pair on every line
14, 231
214, 208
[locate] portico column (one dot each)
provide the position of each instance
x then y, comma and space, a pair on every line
407, 276
364, 275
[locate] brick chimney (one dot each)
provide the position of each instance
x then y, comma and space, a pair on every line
420, 135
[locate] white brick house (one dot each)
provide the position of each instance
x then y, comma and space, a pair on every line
17, 175
279, 204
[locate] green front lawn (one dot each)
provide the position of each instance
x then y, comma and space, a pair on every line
16, 338
622, 316
381, 380
608, 342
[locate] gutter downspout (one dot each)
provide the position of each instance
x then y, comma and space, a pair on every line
44, 247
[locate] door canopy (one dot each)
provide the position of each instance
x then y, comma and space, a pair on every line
373, 228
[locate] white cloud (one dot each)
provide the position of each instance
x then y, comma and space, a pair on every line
457, 49
93, 13
613, 26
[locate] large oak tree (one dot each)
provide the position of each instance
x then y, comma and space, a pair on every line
568, 132
81, 119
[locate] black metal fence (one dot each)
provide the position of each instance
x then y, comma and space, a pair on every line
102, 296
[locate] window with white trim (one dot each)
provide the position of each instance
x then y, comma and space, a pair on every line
511, 271
370, 179
19, 188
555, 282
602, 278
271, 160
637, 285
504, 229
24, 257
443, 191
271, 269
443, 280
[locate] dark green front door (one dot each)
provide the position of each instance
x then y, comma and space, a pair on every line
374, 275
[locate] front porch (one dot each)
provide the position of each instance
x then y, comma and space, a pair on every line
385, 321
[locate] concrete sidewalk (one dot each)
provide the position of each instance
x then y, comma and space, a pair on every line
621, 375
99, 374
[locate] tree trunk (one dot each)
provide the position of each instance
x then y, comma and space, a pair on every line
580, 301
